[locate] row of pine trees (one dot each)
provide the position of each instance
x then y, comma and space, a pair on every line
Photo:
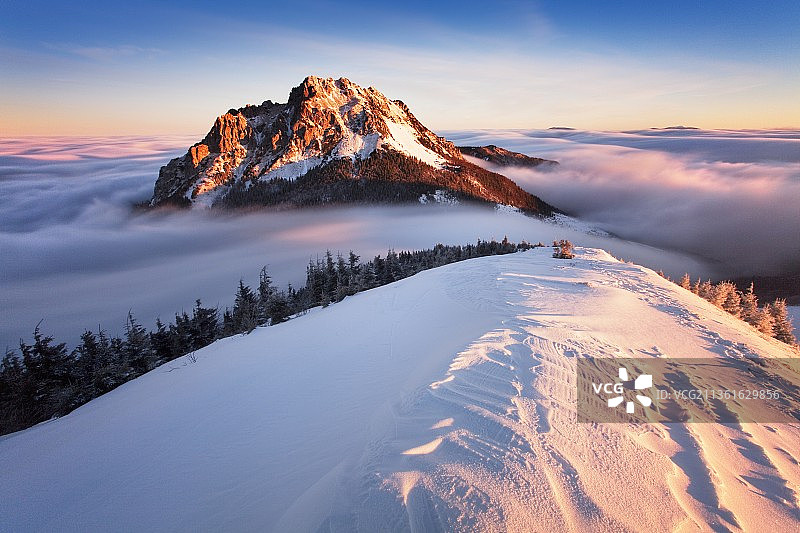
771, 319
45, 379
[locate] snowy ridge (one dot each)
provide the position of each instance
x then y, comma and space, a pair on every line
444, 401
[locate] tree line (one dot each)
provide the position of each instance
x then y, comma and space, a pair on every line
44, 379
771, 319
385, 177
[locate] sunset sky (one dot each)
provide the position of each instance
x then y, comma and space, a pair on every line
141, 67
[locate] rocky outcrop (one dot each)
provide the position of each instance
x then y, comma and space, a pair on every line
504, 158
324, 121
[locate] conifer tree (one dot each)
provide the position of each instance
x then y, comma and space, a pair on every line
181, 335
393, 271
765, 323
696, 287
16, 394
750, 311
686, 282
353, 271
342, 278
329, 277
265, 293
49, 373
733, 301
379, 269
782, 325
138, 350
719, 293
367, 276
89, 363
278, 307
228, 328
245, 309
563, 249
204, 326
113, 370
705, 290
161, 342
325, 300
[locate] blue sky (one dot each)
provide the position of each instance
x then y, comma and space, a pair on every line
145, 67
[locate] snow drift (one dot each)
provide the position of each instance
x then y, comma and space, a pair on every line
443, 401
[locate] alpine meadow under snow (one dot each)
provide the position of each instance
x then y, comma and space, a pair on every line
446, 402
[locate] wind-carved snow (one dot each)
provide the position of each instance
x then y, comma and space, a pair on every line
445, 401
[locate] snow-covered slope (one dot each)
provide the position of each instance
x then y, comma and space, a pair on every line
445, 401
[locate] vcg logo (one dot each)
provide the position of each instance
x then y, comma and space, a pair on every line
645, 381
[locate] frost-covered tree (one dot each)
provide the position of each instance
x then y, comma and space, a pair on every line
686, 282
563, 249
750, 311
733, 300
721, 292
695, 288
765, 323
782, 325
716, 295
705, 290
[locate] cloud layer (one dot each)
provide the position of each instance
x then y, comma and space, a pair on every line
74, 254
730, 197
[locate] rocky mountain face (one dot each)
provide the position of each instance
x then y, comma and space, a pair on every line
504, 158
331, 142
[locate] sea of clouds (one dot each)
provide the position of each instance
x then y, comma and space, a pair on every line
74, 254
730, 197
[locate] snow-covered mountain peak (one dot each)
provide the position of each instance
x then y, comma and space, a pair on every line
365, 119
323, 120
